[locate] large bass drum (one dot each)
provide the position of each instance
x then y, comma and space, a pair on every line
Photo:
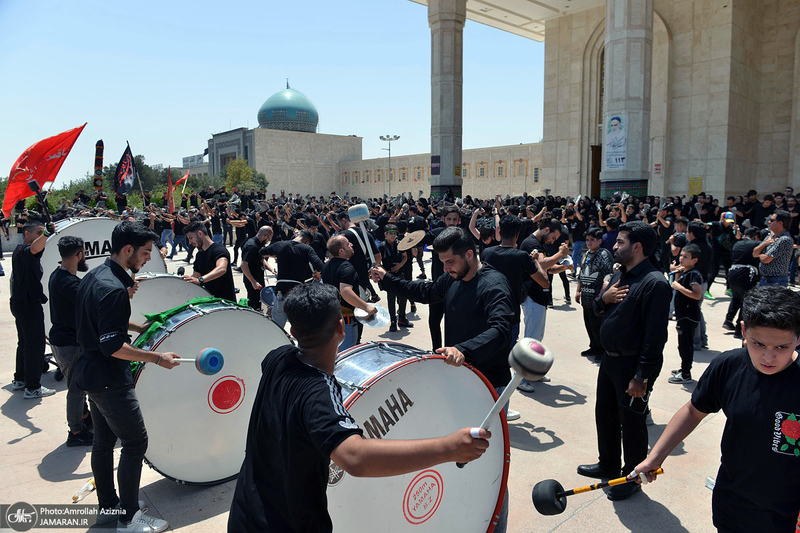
394, 391
96, 235
197, 424
158, 292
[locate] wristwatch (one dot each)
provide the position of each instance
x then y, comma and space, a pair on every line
639, 379
200, 280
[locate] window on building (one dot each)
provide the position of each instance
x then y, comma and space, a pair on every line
303, 115
536, 174
499, 172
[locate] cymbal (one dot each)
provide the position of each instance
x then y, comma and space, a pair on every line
411, 240
378, 320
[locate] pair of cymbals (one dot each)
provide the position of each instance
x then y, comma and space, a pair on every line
411, 240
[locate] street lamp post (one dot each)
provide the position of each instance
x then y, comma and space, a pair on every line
389, 139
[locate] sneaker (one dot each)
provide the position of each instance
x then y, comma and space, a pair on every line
105, 516
568, 300
544, 379
17, 385
142, 523
84, 438
525, 386
680, 378
708, 296
728, 325
404, 323
512, 415
41, 392
728, 292
676, 371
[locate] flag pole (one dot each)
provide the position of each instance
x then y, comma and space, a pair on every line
184, 185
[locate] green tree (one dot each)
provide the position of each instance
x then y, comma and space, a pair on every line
238, 173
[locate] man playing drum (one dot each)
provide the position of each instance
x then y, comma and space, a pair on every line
212, 266
103, 370
298, 424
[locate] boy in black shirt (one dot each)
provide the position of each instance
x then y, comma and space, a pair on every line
688, 286
298, 425
393, 261
758, 483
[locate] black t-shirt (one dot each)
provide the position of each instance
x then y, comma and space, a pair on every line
742, 253
416, 223
706, 255
101, 324
206, 261
686, 307
216, 224
242, 232
338, 270
722, 236
537, 293
296, 261
516, 266
359, 259
251, 256
63, 289
297, 421
390, 255
758, 483
577, 229
26, 275
760, 215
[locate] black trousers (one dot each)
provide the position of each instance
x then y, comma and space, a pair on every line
29, 318
236, 248
620, 418
564, 281
685, 328
592, 323
740, 283
722, 257
253, 296
227, 235
435, 315
396, 300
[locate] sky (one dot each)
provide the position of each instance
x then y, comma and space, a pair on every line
166, 75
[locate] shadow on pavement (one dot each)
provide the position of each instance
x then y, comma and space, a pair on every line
525, 436
16, 409
556, 395
184, 505
640, 514
61, 463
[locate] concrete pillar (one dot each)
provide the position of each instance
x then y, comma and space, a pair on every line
626, 113
446, 19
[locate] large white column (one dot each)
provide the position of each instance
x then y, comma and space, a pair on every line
628, 71
446, 19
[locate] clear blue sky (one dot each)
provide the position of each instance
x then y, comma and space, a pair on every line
165, 75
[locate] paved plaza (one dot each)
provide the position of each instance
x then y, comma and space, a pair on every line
555, 434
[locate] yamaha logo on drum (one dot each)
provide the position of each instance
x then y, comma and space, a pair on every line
95, 249
378, 429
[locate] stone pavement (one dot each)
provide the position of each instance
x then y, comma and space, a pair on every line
555, 434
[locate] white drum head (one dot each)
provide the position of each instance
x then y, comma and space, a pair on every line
421, 398
159, 292
96, 235
197, 424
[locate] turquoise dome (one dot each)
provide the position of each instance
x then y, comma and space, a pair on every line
288, 110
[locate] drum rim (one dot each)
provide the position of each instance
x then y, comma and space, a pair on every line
358, 393
141, 368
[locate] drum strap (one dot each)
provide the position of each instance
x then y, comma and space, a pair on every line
360, 242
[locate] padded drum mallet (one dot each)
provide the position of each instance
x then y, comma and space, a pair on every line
208, 362
529, 359
550, 498
358, 214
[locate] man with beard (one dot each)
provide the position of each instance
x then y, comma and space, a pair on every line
212, 266
63, 287
478, 311
253, 266
635, 305
103, 369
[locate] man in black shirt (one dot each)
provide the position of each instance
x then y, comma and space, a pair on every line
636, 307
451, 217
297, 262
340, 273
758, 484
299, 417
103, 370
212, 266
253, 266
27, 298
63, 289
361, 257
742, 276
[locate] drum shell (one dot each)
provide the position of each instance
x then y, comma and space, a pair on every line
194, 438
395, 391
96, 234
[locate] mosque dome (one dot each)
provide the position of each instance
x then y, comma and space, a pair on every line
288, 110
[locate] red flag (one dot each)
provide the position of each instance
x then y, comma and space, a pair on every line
40, 162
170, 197
184, 178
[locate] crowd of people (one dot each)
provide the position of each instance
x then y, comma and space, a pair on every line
634, 264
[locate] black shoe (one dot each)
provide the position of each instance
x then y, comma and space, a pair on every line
404, 323
598, 471
728, 325
84, 438
422, 276
568, 300
413, 308
393, 327
590, 353
738, 334
623, 492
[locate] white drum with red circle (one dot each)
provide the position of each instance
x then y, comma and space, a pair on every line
394, 391
96, 235
197, 424
158, 292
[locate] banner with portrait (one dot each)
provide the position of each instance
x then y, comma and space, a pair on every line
616, 142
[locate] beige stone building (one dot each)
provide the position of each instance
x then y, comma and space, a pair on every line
662, 96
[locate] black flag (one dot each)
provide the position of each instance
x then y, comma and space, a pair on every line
126, 173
